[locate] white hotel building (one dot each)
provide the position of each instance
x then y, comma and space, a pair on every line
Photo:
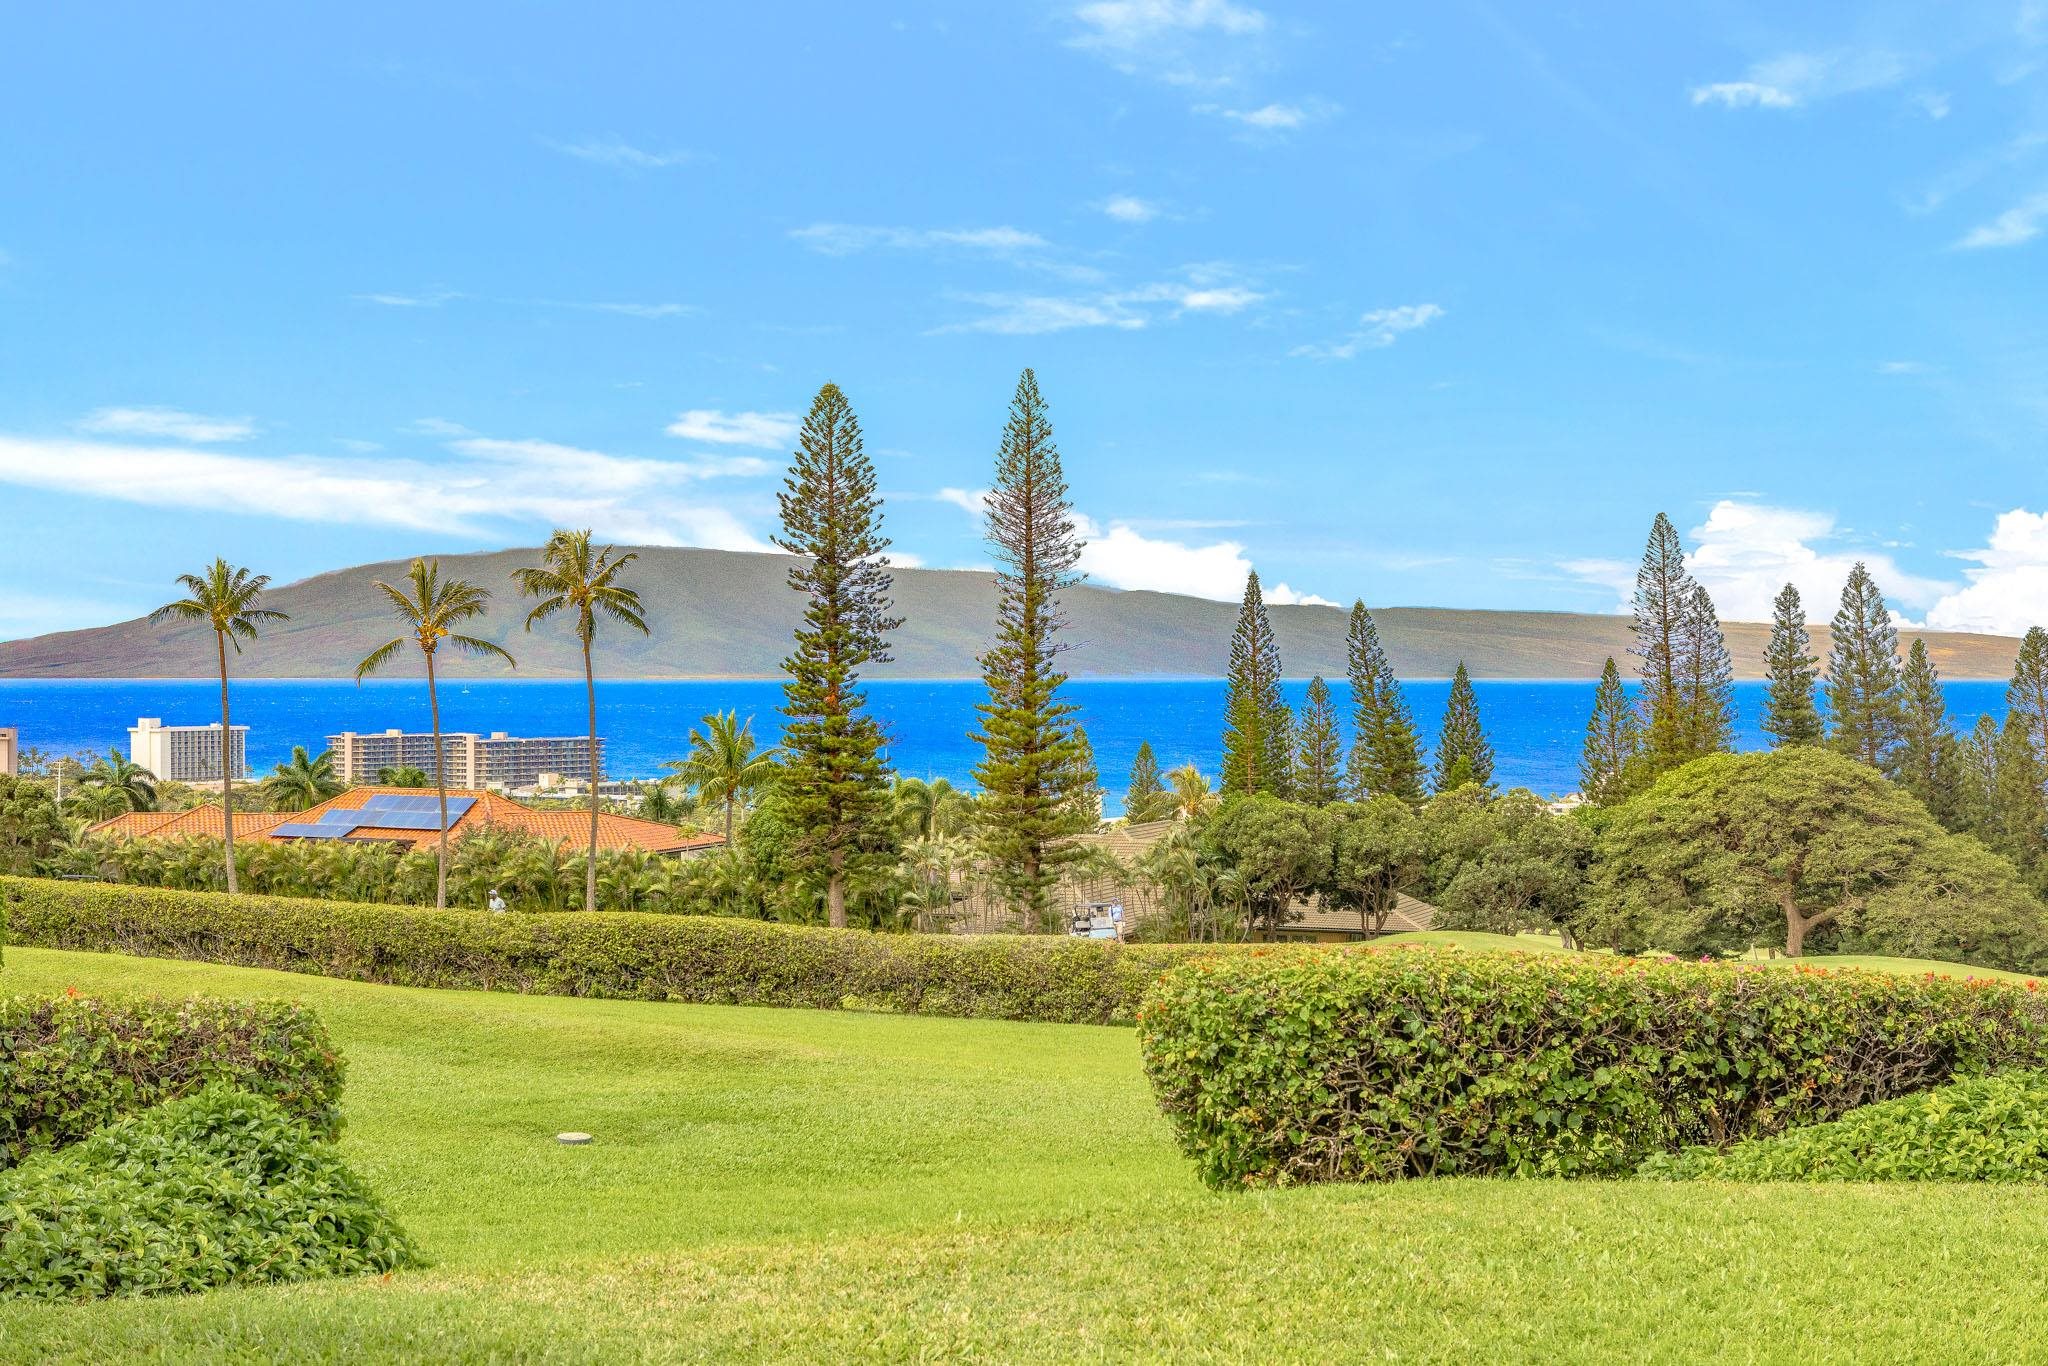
186, 754
473, 760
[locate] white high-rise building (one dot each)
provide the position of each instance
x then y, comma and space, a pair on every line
10, 750
473, 760
186, 754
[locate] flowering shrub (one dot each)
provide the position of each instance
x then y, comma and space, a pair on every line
1418, 1062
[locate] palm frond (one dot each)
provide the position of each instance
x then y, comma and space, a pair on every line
378, 657
470, 645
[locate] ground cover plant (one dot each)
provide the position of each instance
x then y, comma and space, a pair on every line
1991, 1128
218, 1188
1422, 1062
779, 1184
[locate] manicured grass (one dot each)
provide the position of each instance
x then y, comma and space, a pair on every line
1477, 939
819, 1186
1910, 966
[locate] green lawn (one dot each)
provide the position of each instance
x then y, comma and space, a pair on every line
1548, 943
821, 1186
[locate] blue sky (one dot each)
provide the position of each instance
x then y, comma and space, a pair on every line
1425, 304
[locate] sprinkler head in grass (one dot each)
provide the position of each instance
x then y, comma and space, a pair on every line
572, 1139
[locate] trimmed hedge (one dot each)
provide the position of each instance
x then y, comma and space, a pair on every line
1419, 1062
69, 1064
1984, 1129
220, 1188
705, 959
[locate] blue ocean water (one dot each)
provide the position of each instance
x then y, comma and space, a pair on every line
1536, 725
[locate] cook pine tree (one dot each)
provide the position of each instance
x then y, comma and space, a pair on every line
835, 781
1613, 741
1318, 749
1929, 758
1386, 757
1463, 753
1257, 733
1863, 675
1033, 769
1790, 716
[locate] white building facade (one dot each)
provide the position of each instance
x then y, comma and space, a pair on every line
186, 754
473, 760
10, 751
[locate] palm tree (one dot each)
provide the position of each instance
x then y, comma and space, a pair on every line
431, 610
929, 810
724, 766
131, 782
1192, 795
95, 802
224, 598
303, 782
575, 577
405, 775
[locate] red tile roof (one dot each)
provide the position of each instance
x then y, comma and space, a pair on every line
201, 822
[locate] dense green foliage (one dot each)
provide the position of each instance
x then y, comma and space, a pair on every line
1505, 866
69, 1064
32, 828
1463, 753
1685, 698
1318, 749
648, 957
1790, 716
1436, 1062
1385, 758
1927, 756
1037, 776
1258, 756
835, 787
219, 1188
1735, 850
1145, 796
1991, 1128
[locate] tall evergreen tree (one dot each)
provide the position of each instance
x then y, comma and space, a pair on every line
1664, 606
1929, 759
1084, 794
1863, 675
1977, 770
1256, 754
1790, 716
1032, 770
1707, 680
2027, 695
1386, 758
2022, 811
1463, 754
1613, 740
835, 782
1146, 798
1318, 749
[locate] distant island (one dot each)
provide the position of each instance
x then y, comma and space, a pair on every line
728, 614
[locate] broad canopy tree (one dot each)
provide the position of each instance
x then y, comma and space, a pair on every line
1737, 850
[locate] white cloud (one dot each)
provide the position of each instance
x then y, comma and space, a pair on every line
769, 431
2008, 589
167, 422
1230, 299
619, 154
973, 502
2018, 224
1796, 78
1277, 117
1380, 328
640, 310
1281, 595
1903, 367
845, 239
1745, 552
1203, 292
1134, 25
430, 299
1933, 103
487, 487
1128, 208
438, 426
1743, 95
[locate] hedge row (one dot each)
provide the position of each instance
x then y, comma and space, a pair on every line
1984, 1129
1416, 1062
702, 959
70, 1064
219, 1188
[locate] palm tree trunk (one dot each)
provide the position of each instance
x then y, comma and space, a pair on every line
590, 869
731, 799
227, 764
440, 786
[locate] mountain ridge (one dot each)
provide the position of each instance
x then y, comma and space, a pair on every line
725, 614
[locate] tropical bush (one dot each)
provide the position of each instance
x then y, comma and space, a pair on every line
1991, 1128
70, 1064
219, 1188
1417, 1062
713, 959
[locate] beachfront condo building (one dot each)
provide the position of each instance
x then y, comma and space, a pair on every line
186, 754
473, 760
10, 751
